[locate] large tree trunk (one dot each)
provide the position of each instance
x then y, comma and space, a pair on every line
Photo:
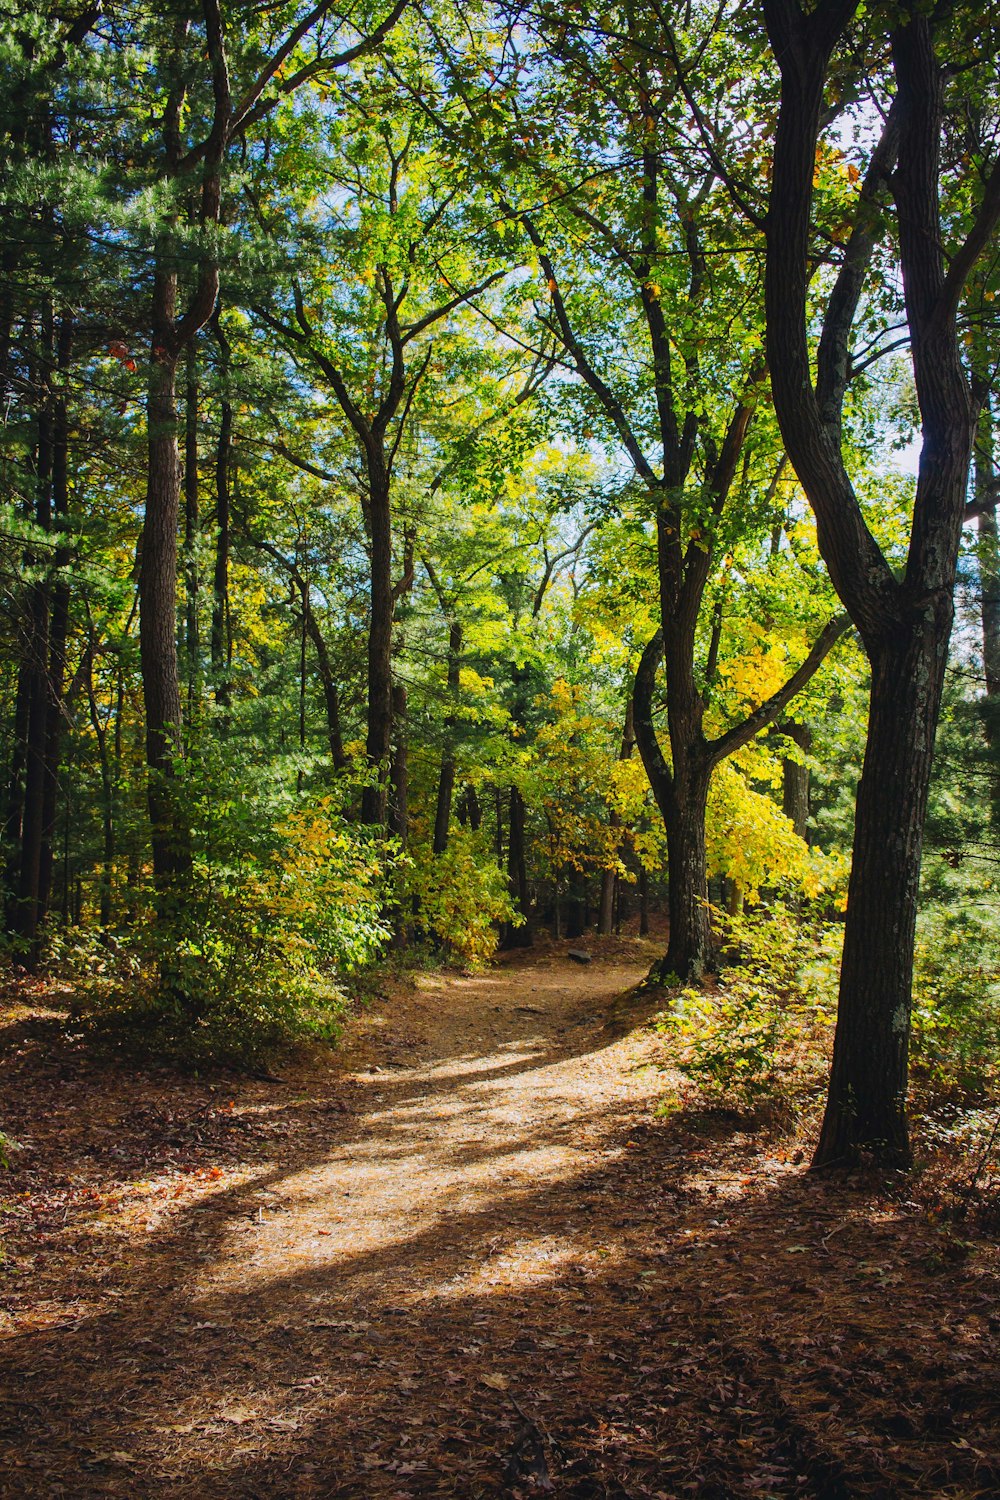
866, 1108
690, 950
905, 621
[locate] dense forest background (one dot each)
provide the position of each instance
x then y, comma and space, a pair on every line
477, 471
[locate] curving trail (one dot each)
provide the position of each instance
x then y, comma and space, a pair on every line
464, 1257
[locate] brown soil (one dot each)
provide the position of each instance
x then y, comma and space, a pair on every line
464, 1257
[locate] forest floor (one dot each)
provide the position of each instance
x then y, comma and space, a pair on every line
464, 1256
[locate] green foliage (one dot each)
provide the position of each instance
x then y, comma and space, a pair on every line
759, 1034
281, 902
956, 1002
460, 896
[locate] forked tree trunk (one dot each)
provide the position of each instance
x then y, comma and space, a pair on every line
904, 621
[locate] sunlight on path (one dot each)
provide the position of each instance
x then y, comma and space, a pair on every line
468, 1133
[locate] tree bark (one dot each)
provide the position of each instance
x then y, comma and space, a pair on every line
171, 840
866, 1106
609, 877
192, 526
446, 779
399, 820
904, 623
378, 744
517, 873
795, 779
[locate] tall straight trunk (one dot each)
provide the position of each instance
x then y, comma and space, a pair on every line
517, 873
446, 779
27, 911
399, 821
609, 877
192, 522
170, 830
220, 644
14, 814
58, 628
378, 743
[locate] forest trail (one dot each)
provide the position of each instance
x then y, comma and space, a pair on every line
465, 1257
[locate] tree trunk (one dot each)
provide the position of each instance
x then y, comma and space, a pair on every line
221, 644
27, 911
379, 738
446, 780
171, 840
331, 695
866, 1108
609, 876
192, 521
399, 822
517, 874
795, 779
58, 628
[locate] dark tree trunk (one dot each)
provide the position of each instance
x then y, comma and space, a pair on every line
795, 779
517, 874
399, 821
58, 629
446, 779
379, 739
904, 622
866, 1108
691, 950
331, 694
192, 524
27, 908
221, 642
14, 818
609, 877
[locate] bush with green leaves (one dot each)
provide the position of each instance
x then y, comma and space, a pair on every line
459, 896
956, 1001
285, 898
759, 1031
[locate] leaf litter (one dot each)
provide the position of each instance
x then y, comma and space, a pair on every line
464, 1256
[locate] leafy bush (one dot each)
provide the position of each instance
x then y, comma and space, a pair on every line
956, 1001
760, 1032
460, 896
281, 901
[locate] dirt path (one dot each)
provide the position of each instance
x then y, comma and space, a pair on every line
465, 1258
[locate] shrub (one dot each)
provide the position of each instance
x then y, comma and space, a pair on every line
460, 896
956, 1002
761, 1031
281, 902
